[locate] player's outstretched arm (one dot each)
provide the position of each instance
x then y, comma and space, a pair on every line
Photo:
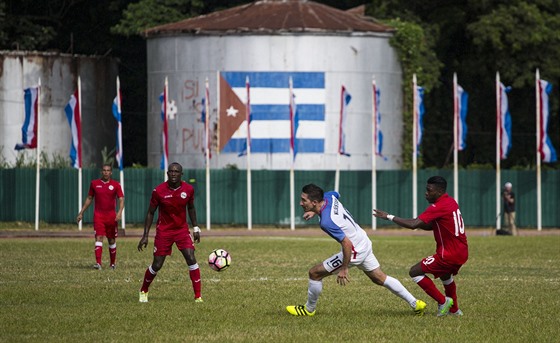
412, 223
147, 225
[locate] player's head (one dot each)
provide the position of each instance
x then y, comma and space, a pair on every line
174, 172
311, 195
106, 171
508, 186
436, 187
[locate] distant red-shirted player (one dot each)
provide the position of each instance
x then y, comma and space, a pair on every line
173, 198
443, 217
105, 191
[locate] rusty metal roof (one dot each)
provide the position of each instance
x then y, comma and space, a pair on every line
275, 17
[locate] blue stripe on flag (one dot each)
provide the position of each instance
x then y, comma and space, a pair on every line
282, 112
276, 145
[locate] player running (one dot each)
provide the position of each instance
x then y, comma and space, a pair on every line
357, 251
443, 217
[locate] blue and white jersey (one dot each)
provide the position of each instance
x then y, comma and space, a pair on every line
338, 223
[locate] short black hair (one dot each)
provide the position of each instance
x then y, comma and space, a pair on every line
175, 164
439, 182
313, 192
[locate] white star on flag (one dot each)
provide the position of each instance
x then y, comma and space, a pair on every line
232, 112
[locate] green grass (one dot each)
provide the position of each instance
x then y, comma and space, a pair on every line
509, 291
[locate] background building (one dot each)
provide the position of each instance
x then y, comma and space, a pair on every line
268, 39
59, 74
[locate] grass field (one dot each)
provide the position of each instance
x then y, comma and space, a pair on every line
509, 291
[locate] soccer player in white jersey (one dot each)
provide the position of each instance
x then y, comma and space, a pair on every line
356, 251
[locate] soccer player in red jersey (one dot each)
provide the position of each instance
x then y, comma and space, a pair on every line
173, 198
443, 217
105, 191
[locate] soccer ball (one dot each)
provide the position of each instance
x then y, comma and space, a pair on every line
219, 260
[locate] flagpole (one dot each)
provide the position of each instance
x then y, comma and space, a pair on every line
38, 158
80, 194
121, 159
414, 148
455, 139
498, 150
373, 152
292, 146
248, 118
539, 118
207, 149
337, 172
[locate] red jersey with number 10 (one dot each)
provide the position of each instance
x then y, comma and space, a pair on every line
447, 223
172, 204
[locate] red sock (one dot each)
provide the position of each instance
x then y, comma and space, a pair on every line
113, 253
430, 288
195, 280
149, 276
98, 251
451, 291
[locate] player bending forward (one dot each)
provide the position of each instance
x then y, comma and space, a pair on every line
337, 222
443, 217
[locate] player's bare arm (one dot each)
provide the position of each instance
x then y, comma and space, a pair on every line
121, 208
147, 225
192, 215
88, 202
343, 278
412, 223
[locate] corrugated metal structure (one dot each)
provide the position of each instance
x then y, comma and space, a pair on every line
265, 38
58, 74
271, 195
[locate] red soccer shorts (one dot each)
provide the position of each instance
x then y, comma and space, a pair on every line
107, 228
437, 266
163, 243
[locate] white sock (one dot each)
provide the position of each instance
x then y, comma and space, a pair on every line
448, 281
398, 289
313, 291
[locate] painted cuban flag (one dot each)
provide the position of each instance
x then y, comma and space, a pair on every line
505, 122
29, 128
270, 111
72, 110
462, 101
546, 149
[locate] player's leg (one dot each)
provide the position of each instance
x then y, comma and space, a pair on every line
513, 227
162, 248
418, 275
112, 232
99, 228
194, 273
186, 246
378, 277
451, 291
315, 285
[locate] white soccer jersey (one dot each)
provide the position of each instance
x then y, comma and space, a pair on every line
338, 223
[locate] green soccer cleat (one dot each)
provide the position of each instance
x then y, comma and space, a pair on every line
198, 300
143, 297
443, 309
420, 307
299, 310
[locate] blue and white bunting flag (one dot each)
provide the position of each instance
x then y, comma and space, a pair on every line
462, 102
29, 128
505, 122
419, 94
345, 98
73, 115
546, 149
117, 113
